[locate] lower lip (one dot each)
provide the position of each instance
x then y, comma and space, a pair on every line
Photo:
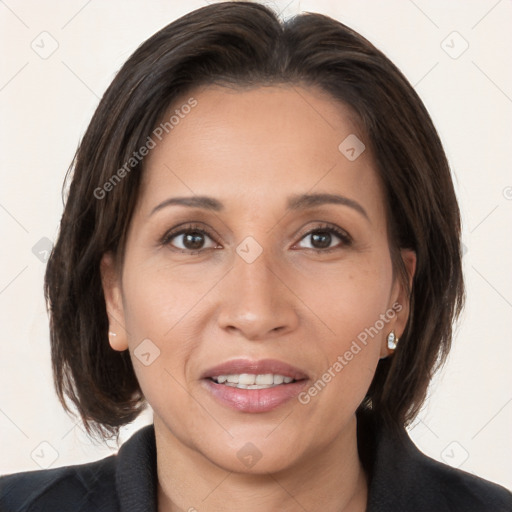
254, 400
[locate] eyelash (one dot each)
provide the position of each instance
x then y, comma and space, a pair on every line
194, 228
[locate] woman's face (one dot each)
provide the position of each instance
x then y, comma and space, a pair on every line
257, 283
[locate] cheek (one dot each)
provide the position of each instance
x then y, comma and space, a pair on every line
349, 354
348, 298
157, 313
165, 303
159, 299
351, 316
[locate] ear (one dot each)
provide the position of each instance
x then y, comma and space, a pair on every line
111, 283
400, 303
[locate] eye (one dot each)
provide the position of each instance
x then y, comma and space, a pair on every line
188, 238
321, 238
191, 239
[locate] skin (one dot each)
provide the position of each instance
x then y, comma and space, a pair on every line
251, 149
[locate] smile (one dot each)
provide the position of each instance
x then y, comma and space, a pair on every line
254, 386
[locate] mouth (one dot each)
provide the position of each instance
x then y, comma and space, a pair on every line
254, 386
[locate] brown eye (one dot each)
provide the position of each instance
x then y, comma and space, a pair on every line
189, 238
322, 238
193, 240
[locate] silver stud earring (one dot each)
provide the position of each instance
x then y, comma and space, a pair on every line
392, 340
110, 333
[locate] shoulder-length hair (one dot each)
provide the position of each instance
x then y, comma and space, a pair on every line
242, 44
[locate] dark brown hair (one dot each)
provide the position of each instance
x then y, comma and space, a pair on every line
243, 45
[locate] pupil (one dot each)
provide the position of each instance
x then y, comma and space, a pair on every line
193, 240
326, 239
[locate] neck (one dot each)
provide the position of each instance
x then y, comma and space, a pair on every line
330, 480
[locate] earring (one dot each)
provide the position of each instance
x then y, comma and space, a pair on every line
110, 333
392, 340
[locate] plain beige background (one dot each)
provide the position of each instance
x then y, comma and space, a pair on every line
57, 60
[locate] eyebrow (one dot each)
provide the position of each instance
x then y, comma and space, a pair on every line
296, 202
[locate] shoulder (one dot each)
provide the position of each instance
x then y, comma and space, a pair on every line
80, 487
123, 481
433, 485
460, 490
403, 478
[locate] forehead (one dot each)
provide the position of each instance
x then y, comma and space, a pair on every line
265, 143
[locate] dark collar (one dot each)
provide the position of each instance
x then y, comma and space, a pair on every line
136, 475
400, 477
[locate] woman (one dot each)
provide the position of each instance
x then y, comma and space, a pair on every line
261, 241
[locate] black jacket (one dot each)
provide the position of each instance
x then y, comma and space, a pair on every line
401, 479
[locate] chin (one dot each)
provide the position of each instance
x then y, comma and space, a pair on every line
252, 461
252, 450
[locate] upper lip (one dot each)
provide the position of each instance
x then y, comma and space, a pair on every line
259, 367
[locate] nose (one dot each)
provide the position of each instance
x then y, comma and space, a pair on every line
256, 302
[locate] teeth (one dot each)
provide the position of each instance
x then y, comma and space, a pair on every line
251, 381
268, 378
247, 379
